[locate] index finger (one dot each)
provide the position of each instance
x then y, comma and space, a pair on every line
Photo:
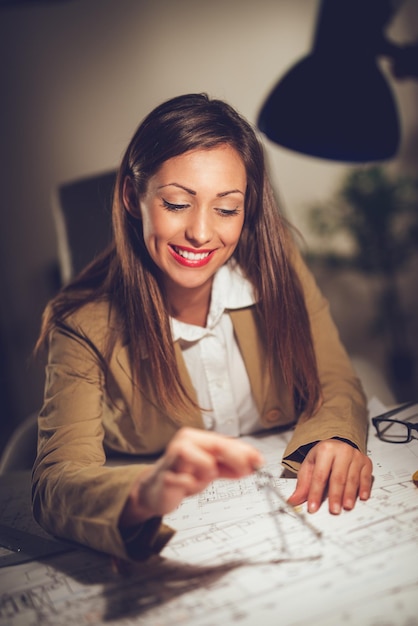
319, 482
234, 458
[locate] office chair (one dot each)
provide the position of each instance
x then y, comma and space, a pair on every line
82, 213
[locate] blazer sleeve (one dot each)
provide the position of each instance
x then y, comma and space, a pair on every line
343, 411
75, 496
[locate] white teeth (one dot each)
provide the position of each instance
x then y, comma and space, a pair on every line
192, 256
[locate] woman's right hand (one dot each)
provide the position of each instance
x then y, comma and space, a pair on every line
192, 460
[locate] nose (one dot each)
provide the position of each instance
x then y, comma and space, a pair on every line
199, 229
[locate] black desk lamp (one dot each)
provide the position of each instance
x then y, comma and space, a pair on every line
335, 103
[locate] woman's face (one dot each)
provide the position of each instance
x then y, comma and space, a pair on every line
193, 213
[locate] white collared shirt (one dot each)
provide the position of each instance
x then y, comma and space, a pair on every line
213, 359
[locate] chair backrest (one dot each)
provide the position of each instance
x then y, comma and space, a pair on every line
82, 212
20, 450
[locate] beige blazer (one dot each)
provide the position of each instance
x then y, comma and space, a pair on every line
86, 416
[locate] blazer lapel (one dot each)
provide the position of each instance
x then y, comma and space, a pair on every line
252, 352
126, 381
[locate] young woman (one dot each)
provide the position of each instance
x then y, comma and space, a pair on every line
200, 323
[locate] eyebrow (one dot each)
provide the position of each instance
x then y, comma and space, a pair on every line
222, 194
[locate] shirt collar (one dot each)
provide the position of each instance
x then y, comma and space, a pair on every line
230, 290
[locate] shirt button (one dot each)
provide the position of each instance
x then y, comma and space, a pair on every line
273, 416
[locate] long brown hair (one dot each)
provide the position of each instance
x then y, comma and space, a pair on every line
126, 276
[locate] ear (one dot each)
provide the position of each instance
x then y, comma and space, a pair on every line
130, 200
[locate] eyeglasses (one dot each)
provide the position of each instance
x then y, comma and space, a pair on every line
396, 430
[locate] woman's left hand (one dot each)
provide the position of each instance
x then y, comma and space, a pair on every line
337, 468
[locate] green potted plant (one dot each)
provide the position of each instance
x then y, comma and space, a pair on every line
378, 214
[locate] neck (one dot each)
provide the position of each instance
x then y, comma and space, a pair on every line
190, 305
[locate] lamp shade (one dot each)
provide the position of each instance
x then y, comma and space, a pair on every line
335, 103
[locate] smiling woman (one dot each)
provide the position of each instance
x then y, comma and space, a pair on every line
199, 324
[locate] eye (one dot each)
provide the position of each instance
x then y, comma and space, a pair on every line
170, 206
228, 212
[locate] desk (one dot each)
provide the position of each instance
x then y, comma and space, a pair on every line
227, 563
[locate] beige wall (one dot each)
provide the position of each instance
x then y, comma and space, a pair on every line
76, 79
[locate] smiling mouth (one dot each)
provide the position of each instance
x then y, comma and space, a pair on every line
191, 256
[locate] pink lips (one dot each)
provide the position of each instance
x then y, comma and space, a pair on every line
190, 260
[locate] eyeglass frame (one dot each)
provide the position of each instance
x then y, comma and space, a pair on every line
387, 417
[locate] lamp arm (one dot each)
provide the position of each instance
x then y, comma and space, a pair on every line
404, 58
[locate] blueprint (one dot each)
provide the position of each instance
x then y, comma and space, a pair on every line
239, 557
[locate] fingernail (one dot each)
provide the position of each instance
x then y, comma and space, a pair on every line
335, 508
312, 507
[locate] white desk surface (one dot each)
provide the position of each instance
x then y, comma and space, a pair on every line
233, 562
